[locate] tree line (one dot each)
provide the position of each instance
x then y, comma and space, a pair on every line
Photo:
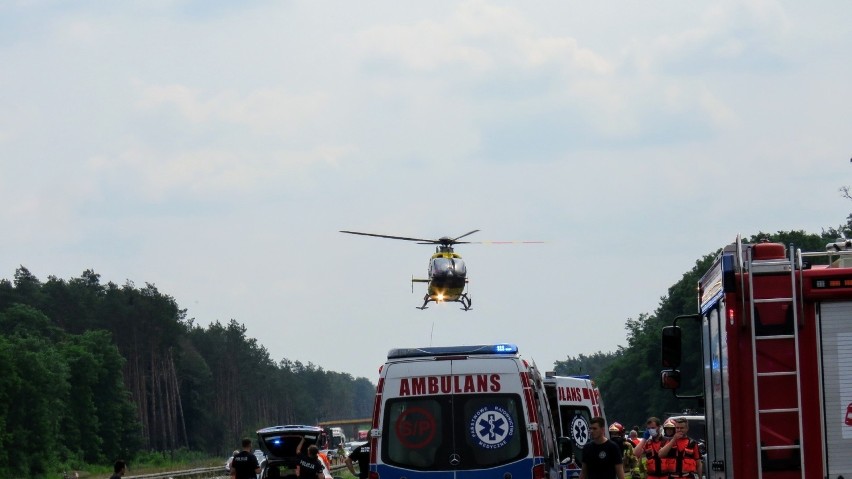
629, 377
92, 372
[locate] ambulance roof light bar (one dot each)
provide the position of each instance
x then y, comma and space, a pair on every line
502, 348
552, 374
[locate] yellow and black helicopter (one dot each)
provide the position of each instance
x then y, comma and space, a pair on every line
447, 270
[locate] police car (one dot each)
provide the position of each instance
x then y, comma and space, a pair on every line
279, 443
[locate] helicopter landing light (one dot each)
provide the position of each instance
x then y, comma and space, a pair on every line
440, 297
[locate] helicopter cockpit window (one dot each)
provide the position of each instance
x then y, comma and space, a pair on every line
445, 265
460, 266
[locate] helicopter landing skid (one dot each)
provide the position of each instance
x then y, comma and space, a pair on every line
464, 299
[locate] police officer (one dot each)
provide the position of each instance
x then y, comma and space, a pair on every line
244, 465
362, 455
310, 465
685, 451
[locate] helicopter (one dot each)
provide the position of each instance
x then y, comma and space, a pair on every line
447, 270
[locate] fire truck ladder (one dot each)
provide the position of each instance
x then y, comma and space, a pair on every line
765, 337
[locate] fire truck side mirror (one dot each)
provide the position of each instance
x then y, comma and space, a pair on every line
670, 379
671, 347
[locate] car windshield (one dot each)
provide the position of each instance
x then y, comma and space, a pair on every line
454, 432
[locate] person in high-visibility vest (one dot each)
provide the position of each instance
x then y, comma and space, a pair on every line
684, 450
649, 449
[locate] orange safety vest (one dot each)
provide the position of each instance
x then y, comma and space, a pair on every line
669, 461
687, 456
324, 458
656, 465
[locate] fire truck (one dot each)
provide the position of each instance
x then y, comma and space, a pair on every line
776, 343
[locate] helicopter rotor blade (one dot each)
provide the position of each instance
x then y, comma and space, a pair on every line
404, 238
457, 238
507, 242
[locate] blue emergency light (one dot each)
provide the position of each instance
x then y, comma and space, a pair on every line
502, 348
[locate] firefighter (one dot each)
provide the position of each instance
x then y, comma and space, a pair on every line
649, 449
684, 450
616, 435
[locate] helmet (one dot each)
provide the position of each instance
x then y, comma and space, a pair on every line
669, 423
616, 427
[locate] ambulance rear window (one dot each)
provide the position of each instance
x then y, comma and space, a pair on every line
454, 432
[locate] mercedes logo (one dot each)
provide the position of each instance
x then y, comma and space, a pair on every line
455, 459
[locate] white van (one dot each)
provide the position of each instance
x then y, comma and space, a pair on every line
574, 401
462, 412
337, 438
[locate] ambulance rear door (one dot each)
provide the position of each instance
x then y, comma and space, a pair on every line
491, 435
414, 423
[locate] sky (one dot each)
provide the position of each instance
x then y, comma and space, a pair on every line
215, 149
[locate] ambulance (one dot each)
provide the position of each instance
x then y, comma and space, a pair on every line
462, 412
574, 401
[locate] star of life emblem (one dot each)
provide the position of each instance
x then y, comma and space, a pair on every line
491, 427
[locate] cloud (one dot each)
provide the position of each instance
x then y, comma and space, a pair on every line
263, 111
536, 96
479, 38
728, 36
157, 176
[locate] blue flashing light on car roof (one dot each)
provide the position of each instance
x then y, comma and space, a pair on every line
502, 348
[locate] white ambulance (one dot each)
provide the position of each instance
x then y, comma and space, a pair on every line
574, 401
462, 412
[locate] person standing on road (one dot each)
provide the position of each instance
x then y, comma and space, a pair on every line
649, 449
684, 450
341, 453
602, 458
362, 455
230, 459
119, 469
244, 465
310, 465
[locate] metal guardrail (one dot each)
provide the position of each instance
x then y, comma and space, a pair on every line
205, 472
200, 472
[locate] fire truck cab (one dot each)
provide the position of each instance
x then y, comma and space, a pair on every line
776, 345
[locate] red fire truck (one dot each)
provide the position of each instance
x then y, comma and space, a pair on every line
776, 341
